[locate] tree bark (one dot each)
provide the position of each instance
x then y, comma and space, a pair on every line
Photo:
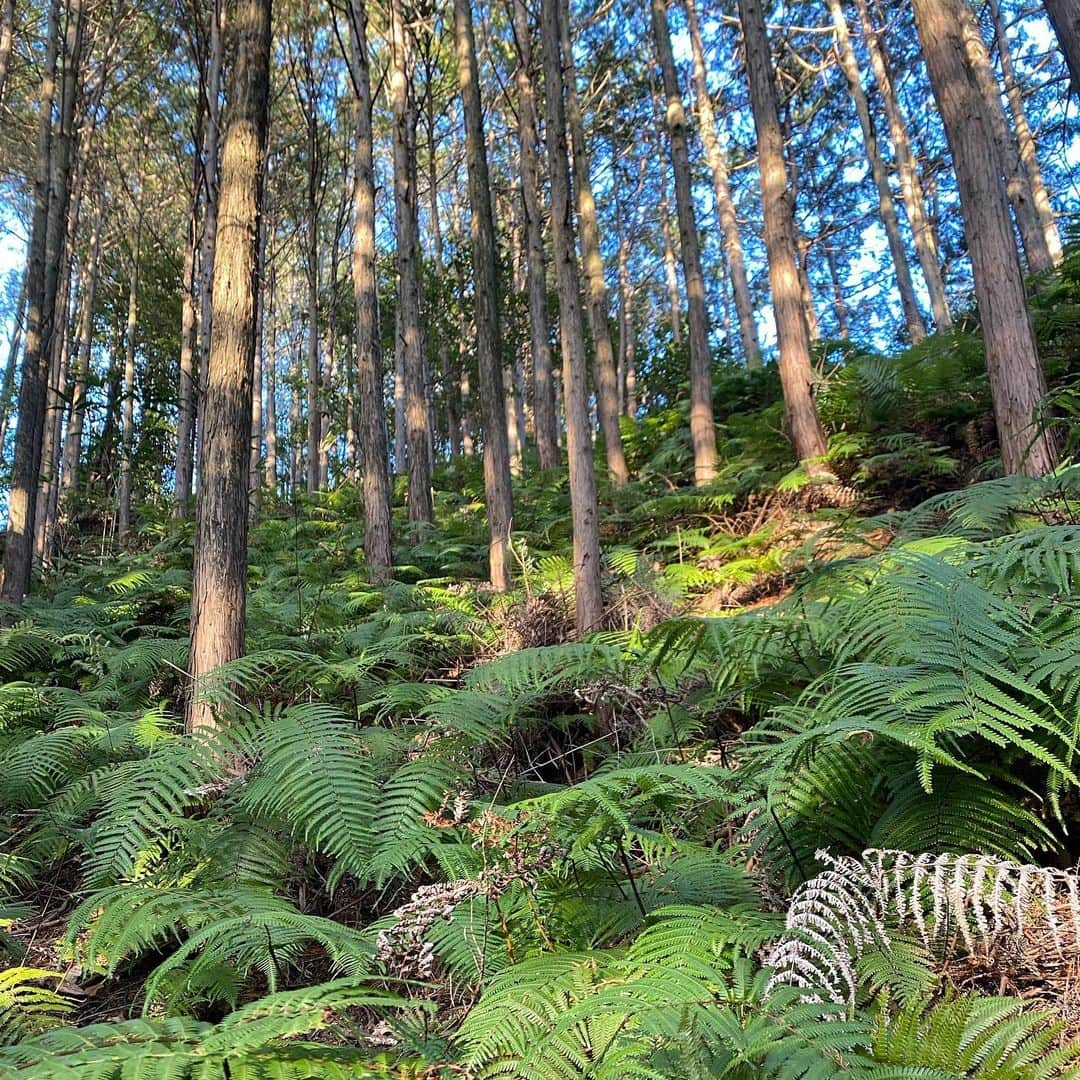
414, 366
796, 374
270, 466
127, 436
500, 509
587, 593
73, 441
1017, 383
596, 294
1029, 158
7, 389
219, 586
374, 453
702, 429
185, 418
725, 205
1017, 185
1065, 18
543, 384
18, 549
849, 65
7, 37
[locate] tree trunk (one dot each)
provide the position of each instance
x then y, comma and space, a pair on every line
271, 464
73, 441
255, 446
7, 36
886, 207
374, 455
127, 438
185, 419
796, 374
702, 430
926, 246
1017, 383
314, 361
1065, 18
7, 389
500, 509
543, 384
596, 294
1029, 158
18, 549
219, 586
671, 273
725, 205
1017, 185
414, 367
588, 597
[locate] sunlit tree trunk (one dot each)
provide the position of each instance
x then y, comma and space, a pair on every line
793, 334
702, 430
1029, 158
1065, 18
725, 205
18, 548
7, 387
7, 37
849, 64
73, 439
926, 246
414, 367
185, 418
127, 399
255, 447
596, 295
1017, 383
587, 593
374, 454
1017, 184
543, 384
219, 585
270, 467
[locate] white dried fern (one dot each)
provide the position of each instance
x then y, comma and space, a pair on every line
852, 905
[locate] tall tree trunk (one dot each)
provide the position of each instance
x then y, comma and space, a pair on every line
270, 474
209, 170
219, 587
926, 246
702, 430
1065, 18
543, 384
796, 374
725, 205
127, 438
185, 418
414, 366
18, 548
839, 303
1029, 158
849, 64
500, 509
73, 440
596, 295
671, 274
374, 454
627, 343
255, 447
314, 361
588, 597
7, 388
7, 37
1017, 383
1017, 184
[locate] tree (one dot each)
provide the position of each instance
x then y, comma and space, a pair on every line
792, 331
374, 454
1065, 18
33, 388
219, 586
596, 294
547, 435
702, 431
849, 64
410, 335
1017, 383
715, 155
486, 293
588, 597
